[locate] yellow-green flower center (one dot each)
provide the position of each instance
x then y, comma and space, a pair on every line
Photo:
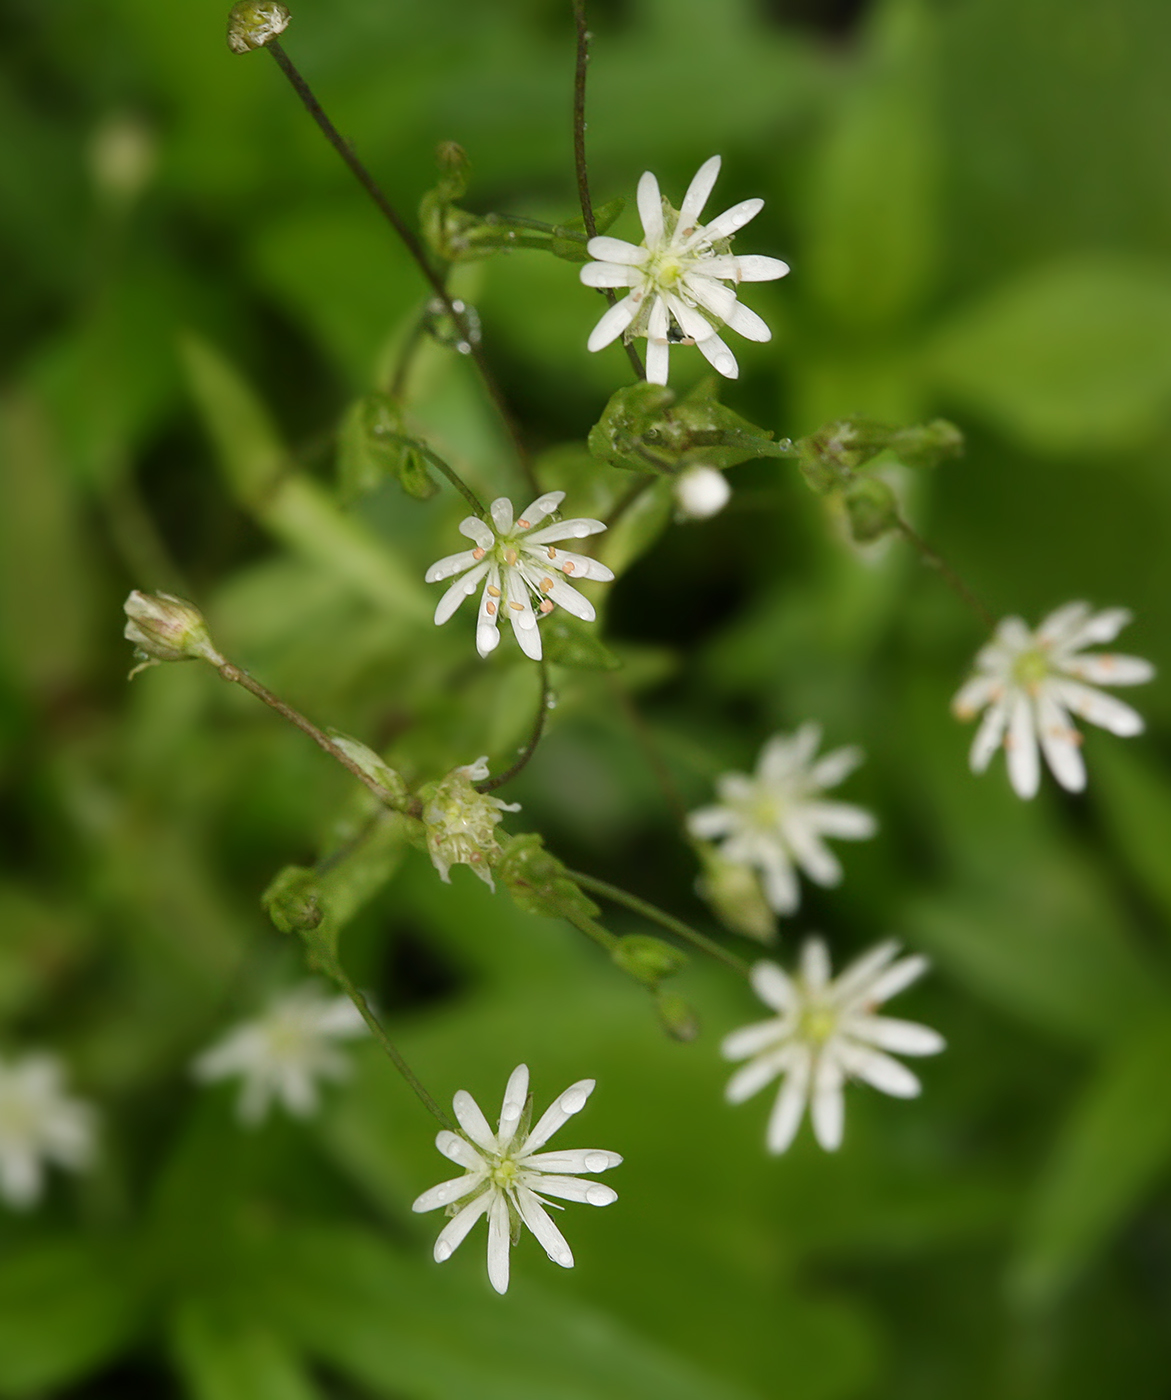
505, 1173
817, 1024
1030, 668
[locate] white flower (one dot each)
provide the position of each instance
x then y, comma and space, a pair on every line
39, 1123
824, 1033
515, 560
283, 1053
677, 277
701, 492
1031, 681
461, 823
775, 820
507, 1176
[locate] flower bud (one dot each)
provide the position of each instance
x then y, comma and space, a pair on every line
254, 23
871, 509
460, 823
734, 893
678, 1017
375, 768
539, 883
165, 628
701, 492
647, 959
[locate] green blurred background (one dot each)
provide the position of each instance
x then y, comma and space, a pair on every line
975, 196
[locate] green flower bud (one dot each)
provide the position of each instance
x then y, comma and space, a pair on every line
830, 456
648, 959
871, 509
291, 900
538, 881
734, 893
254, 23
374, 767
678, 1017
164, 628
460, 823
373, 444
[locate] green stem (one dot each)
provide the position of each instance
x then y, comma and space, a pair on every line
660, 917
530, 748
447, 470
334, 969
579, 155
934, 560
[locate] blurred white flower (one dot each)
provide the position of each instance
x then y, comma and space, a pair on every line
775, 820
282, 1054
507, 1176
701, 492
39, 1124
514, 560
677, 277
824, 1033
1032, 681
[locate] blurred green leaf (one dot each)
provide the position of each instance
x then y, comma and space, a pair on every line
405, 1328
1133, 795
226, 1357
1115, 1145
1074, 356
66, 1308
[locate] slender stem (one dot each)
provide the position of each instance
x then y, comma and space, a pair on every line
240, 677
412, 245
490, 784
342, 978
410, 345
625, 502
448, 471
933, 559
660, 917
650, 748
579, 155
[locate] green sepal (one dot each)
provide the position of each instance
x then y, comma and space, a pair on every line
677, 1016
539, 882
871, 509
291, 900
646, 428
373, 444
648, 959
568, 642
376, 768
830, 456
569, 240
733, 891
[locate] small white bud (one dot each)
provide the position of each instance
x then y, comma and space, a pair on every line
701, 492
254, 23
164, 628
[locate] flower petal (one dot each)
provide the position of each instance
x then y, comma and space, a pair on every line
710, 823
754, 267
477, 530
537, 510
462, 588
755, 1039
858, 977
575, 529
842, 820
878, 1069
1024, 768
573, 1159
828, 1108
613, 323
815, 964
516, 1093
448, 1191
449, 565
727, 223
616, 250
472, 1121
774, 986
744, 321
609, 274
650, 209
548, 1236
698, 192
1101, 709
456, 1230
572, 1101
751, 1078
501, 513
570, 1188
896, 979
1059, 742
498, 1243
789, 1105
988, 736
1101, 627
458, 1149
1108, 668
903, 1037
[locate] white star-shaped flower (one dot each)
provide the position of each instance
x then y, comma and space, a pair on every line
1032, 681
824, 1033
507, 1177
514, 560
678, 277
39, 1124
282, 1054
775, 820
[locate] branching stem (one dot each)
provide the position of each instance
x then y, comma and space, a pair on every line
412, 245
530, 748
660, 917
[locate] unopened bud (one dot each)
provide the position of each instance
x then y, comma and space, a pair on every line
254, 23
375, 768
734, 893
164, 628
871, 509
460, 823
647, 959
701, 492
539, 883
678, 1017
291, 900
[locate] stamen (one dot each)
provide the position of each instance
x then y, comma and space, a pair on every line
547, 606
490, 608
478, 553
495, 592
552, 553
568, 567
510, 558
546, 585
524, 524
517, 607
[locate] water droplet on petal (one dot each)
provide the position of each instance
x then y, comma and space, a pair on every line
574, 1100
596, 1161
442, 1251
510, 1112
600, 1196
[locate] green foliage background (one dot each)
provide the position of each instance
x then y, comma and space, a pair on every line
975, 197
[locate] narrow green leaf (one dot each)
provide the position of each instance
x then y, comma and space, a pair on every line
1115, 1145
